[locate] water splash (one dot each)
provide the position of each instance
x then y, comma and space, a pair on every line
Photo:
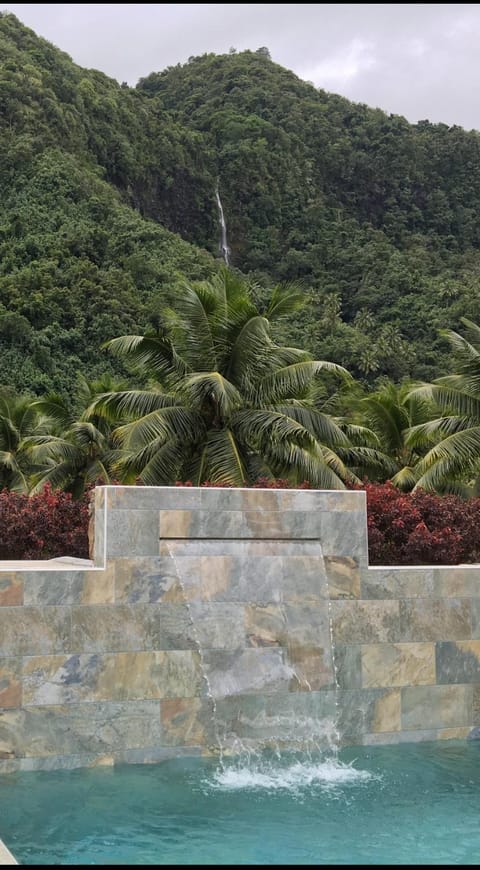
265, 775
223, 246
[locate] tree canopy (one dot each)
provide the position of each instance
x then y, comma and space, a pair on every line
108, 206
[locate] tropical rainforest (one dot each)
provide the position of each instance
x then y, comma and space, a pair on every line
335, 338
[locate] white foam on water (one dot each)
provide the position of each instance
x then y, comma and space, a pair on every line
326, 774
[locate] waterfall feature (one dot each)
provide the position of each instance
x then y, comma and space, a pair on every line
253, 599
195, 626
223, 246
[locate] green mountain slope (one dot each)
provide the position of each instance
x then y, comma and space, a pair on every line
370, 211
107, 205
78, 263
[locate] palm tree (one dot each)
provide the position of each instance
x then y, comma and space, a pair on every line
225, 403
452, 464
20, 419
390, 412
78, 450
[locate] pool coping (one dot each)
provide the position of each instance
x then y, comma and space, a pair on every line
6, 856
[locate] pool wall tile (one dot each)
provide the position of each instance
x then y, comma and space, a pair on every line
45, 588
189, 722
95, 728
10, 682
436, 706
427, 619
458, 662
204, 623
34, 630
401, 664
11, 589
365, 621
343, 576
396, 583
348, 665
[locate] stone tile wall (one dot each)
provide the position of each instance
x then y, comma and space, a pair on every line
206, 620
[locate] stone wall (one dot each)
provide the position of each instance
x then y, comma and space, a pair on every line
205, 620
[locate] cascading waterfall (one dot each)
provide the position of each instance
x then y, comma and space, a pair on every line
266, 765
223, 246
336, 732
218, 742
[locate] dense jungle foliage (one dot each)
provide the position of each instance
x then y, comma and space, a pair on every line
108, 205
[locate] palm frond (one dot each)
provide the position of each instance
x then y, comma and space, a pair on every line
405, 479
8, 460
301, 464
212, 388
248, 350
9, 434
293, 380
55, 407
58, 476
154, 353
198, 306
225, 460
361, 436
324, 427
19, 482
285, 299
466, 352
459, 452
386, 417
259, 428
164, 466
434, 430
173, 423
129, 404
449, 396
367, 459
46, 449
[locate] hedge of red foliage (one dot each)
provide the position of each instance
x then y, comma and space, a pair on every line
421, 528
43, 526
418, 528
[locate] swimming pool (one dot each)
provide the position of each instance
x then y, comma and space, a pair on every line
403, 804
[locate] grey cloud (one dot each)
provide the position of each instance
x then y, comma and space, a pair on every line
419, 60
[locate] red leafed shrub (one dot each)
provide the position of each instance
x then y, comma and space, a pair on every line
44, 525
421, 528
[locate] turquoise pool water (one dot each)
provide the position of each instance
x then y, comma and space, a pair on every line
407, 804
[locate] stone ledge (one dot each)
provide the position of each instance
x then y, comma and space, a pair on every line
60, 563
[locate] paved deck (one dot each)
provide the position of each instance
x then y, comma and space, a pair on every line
6, 856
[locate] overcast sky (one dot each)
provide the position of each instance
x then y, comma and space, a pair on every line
419, 60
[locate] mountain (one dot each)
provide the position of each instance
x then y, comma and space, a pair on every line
108, 205
79, 263
377, 216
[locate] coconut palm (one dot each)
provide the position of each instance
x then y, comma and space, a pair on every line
225, 403
452, 462
78, 450
390, 412
20, 419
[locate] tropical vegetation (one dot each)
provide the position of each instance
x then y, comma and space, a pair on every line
108, 207
342, 346
226, 403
